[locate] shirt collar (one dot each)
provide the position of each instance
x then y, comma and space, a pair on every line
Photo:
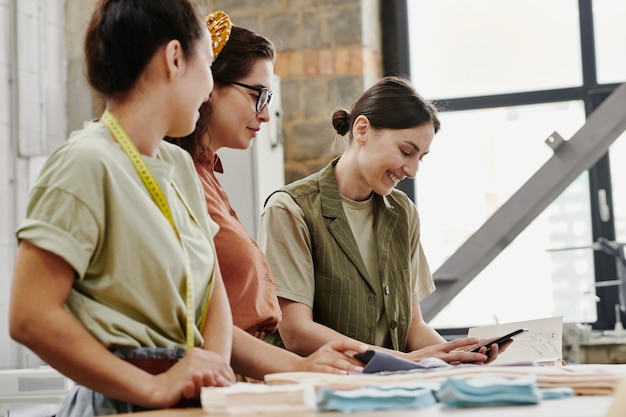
212, 160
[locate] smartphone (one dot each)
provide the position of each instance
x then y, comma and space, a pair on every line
501, 340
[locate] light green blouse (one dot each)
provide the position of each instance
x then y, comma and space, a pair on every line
90, 207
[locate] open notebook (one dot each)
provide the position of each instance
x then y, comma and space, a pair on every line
542, 343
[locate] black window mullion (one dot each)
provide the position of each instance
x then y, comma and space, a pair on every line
397, 59
599, 175
605, 266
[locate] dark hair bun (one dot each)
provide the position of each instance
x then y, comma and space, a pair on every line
341, 121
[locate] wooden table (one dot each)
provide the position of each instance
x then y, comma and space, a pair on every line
580, 406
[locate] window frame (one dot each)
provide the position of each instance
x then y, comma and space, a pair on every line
396, 61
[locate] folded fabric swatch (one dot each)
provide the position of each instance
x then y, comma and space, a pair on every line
245, 398
489, 390
556, 393
410, 394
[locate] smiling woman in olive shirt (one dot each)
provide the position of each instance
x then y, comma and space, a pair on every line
344, 243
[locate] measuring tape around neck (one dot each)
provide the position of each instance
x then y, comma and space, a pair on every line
121, 137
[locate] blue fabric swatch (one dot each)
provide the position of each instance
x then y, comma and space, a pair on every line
556, 393
411, 394
489, 390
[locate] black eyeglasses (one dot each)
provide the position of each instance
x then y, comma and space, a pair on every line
263, 99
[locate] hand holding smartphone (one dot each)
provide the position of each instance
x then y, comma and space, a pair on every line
500, 341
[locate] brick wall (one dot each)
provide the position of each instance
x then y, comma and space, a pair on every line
328, 53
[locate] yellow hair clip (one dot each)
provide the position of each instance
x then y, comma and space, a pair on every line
219, 25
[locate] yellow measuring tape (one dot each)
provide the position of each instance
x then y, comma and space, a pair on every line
153, 187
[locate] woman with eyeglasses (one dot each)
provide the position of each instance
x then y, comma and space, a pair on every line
238, 106
354, 268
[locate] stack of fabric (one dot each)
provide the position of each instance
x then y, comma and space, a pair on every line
581, 381
423, 384
478, 391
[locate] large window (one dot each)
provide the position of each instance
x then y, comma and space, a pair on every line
477, 161
506, 74
462, 48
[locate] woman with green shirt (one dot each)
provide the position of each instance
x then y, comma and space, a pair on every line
116, 283
344, 243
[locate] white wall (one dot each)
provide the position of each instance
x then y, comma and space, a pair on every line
33, 120
6, 207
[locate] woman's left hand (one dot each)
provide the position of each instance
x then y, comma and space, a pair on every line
494, 350
460, 351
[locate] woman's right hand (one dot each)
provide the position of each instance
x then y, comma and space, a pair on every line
336, 357
198, 368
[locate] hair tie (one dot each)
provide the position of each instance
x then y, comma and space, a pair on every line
219, 25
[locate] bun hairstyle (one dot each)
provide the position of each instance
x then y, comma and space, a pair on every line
391, 103
341, 121
123, 36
